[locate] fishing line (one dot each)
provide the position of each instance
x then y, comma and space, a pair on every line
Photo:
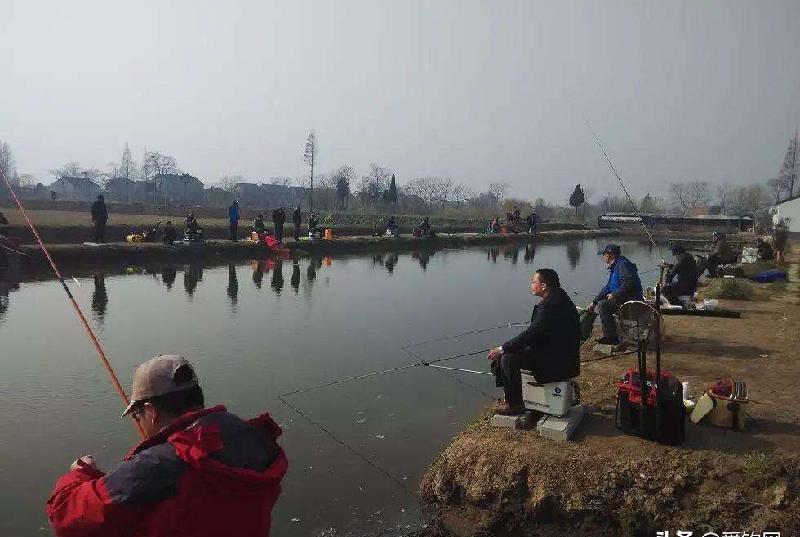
103, 358
348, 447
462, 334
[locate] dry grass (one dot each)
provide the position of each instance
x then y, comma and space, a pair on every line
80, 219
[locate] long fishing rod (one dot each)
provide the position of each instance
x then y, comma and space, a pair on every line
89, 331
621, 183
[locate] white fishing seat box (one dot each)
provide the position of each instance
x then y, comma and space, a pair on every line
554, 398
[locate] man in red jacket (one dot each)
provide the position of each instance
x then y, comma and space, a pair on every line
200, 472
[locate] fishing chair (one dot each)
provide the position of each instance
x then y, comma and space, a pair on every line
552, 398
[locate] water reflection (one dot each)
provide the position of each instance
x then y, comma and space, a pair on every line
168, 275
423, 257
259, 267
233, 286
295, 281
9, 281
512, 253
573, 254
277, 277
377, 259
530, 252
391, 261
192, 274
492, 254
99, 297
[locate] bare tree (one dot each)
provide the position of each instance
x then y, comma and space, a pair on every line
790, 166
374, 183
228, 182
690, 195
498, 191
310, 157
281, 181
7, 164
70, 169
342, 178
779, 187
749, 200
156, 163
724, 192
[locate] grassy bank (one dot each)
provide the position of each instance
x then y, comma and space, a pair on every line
497, 482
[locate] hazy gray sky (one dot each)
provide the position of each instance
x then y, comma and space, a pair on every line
479, 91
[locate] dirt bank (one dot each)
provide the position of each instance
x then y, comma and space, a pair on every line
141, 253
498, 482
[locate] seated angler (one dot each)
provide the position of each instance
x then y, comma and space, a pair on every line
170, 235
623, 285
549, 347
425, 227
721, 254
200, 471
685, 270
765, 251
192, 229
392, 228
258, 224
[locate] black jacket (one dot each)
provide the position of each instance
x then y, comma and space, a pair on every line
296, 217
553, 337
99, 212
685, 270
278, 217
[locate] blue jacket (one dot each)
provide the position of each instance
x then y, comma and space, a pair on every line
623, 282
233, 213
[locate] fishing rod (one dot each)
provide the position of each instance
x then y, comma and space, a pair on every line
103, 358
621, 183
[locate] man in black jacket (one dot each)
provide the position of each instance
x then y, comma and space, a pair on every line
550, 346
99, 217
278, 218
297, 220
685, 269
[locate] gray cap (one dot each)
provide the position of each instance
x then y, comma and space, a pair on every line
156, 377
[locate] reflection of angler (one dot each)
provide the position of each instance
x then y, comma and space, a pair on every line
295, 282
191, 275
391, 261
99, 296
233, 285
168, 275
277, 277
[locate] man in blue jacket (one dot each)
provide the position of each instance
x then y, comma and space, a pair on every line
233, 218
623, 285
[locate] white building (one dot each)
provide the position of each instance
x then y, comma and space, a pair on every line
789, 211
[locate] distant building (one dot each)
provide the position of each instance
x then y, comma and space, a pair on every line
75, 189
177, 189
122, 190
789, 211
711, 222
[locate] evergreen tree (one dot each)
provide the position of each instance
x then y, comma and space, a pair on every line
393, 191
577, 198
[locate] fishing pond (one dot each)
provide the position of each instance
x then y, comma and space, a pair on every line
275, 335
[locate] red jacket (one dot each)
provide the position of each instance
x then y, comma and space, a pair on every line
207, 474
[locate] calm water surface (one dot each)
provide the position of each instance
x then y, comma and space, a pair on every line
258, 330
